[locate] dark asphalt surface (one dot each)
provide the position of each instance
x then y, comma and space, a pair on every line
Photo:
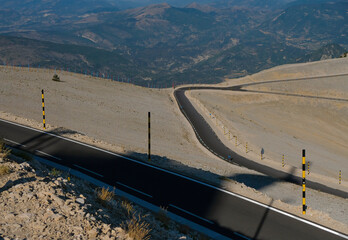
206, 205
211, 141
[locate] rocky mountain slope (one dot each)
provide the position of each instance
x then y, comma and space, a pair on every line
327, 52
81, 59
44, 203
198, 42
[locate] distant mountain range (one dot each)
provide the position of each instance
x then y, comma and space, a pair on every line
161, 43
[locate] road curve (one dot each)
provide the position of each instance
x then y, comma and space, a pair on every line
227, 213
208, 138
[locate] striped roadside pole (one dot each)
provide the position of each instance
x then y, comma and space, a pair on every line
149, 136
283, 163
43, 110
340, 177
304, 182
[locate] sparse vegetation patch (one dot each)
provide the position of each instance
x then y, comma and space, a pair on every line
162, 216
4, 151
55, 173
56, 78
128, 207
4, 170
137, 228
104, 195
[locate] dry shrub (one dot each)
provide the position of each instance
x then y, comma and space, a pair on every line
104, 195
162, 215
137, 229
4, 151
4, 170
56, 78
128, 207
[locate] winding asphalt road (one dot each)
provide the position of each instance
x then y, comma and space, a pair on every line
224, 212
227, 213
207, 136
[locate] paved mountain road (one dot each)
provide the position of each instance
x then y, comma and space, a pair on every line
226, 213
207, 136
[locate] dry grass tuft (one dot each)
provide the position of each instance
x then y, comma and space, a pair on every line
162, 216
137, 229
4, 170
104, 195
55, 173
128, 207
4, 151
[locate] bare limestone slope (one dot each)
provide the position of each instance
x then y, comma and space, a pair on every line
113, 115
41, 203
290, 108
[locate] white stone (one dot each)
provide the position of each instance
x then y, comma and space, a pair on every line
80, 200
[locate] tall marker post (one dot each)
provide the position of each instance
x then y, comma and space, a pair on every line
304, 182
43, 110
149, 136
339, 177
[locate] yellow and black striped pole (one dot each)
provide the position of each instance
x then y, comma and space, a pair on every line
149, 150
304, 182
283, 163
340, 177
43, 109
246, 147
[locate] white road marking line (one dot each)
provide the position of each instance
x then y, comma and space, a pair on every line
43, 153
7, 140
134, 189
191, 179
88, 170
192, 214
